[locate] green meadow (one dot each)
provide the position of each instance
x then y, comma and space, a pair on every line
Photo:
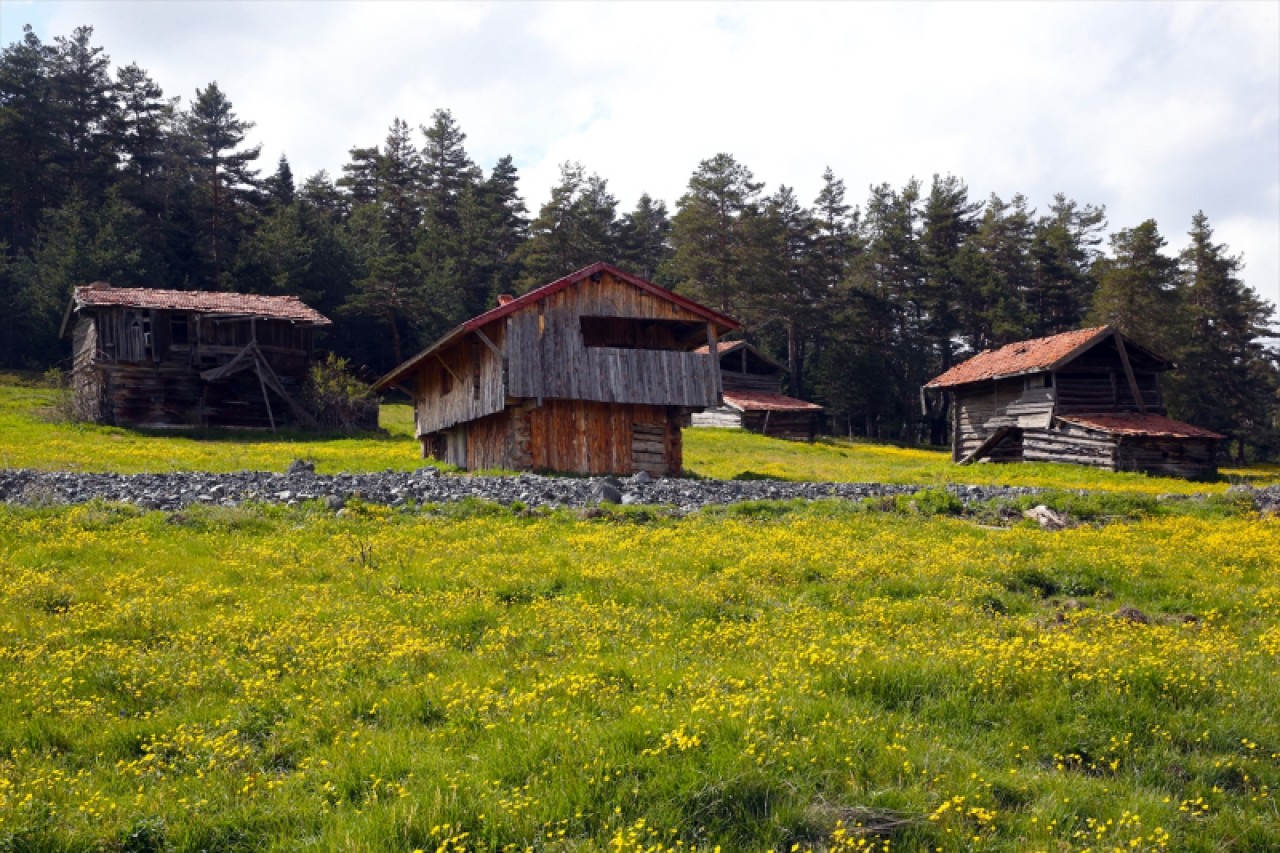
828, 676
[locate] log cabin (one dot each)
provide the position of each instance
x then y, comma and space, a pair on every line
595, 373
152, 358
753, 398
1089, 397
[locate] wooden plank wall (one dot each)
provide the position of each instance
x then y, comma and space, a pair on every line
463, 384
584, 437
722, 416
982, 409
736, 379
1070, 443
546, 356
1194, 458
794, 426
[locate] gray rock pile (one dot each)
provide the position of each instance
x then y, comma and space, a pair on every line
428, 486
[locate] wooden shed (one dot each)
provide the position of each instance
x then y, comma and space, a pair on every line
753, 397
595, 373
178, 358
1090, 397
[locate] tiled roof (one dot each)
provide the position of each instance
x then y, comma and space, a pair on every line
1021, 357
767, 401
291, 308
1154, 426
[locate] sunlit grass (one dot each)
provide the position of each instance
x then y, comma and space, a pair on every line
748, 678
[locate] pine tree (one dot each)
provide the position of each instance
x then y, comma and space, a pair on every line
1063, 252
784, 290
447, 171
30, 142
644, 238
142, 122
224, 173
1138, 290
710, 233
86, 112
360, 175
1226, 380
279, 187
575, 228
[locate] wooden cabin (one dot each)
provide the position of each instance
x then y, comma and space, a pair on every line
1089, 397
595, 373
184, 358
753, 398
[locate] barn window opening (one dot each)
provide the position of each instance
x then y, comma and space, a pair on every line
1048, 380
642, 333
178, 330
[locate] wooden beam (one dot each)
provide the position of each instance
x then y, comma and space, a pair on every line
986, 446
713, 348
490, 344
446, 366
1128, 372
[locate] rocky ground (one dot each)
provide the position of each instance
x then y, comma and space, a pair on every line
428, 486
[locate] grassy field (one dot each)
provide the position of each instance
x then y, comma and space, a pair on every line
780, 677
29, 440
765, 677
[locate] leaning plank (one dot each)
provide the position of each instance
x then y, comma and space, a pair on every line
988, 445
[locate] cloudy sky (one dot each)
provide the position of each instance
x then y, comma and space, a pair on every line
1154, 110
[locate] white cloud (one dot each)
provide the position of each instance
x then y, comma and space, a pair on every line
1155, 110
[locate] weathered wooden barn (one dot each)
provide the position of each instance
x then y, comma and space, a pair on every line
595, 373
1090, 397
179, 358
753, 398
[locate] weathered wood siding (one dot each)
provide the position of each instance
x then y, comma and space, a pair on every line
737, 380
1194, 458
585, 437
132, 369
1070, 443
722, 416
794, 426
460, 384
548, 358
981, 409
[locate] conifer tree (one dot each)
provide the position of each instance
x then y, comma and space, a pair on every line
710, 233
224, 171
1138, 290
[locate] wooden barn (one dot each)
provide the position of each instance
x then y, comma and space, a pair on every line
753, 398
182, 358
595, 373
1090, 397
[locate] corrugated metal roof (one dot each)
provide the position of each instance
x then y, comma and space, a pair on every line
1021, 357
538, 294
1154, 426
100, 294
767, 401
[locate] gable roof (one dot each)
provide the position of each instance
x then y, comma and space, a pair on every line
1153, 426
1033, 356
538, 294
766, 401
101, 294
723, 348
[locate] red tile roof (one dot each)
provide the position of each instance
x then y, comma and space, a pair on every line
290, 308
537, 295
1154, 426
767, 401
1021, 357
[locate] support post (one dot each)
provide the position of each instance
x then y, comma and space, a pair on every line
1128, 372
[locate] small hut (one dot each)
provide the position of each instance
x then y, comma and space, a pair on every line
1089, 397
595, 373
753, 397
181, 358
